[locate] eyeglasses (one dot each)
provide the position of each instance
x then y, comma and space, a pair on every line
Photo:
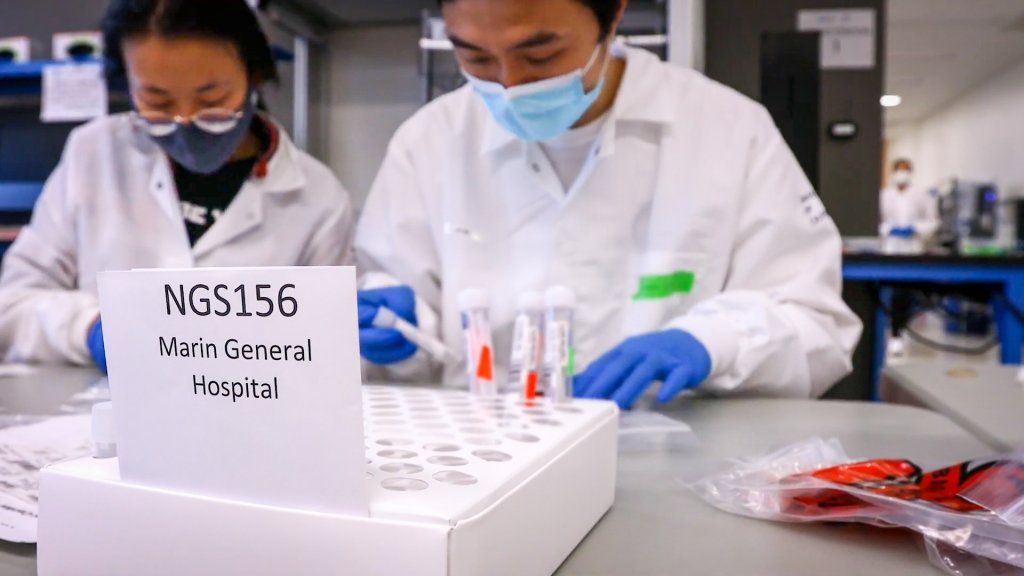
211, 121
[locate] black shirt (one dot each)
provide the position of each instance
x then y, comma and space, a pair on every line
205, 197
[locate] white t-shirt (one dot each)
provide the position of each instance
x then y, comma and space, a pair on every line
568, 152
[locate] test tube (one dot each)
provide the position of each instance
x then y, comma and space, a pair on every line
103, 438
527, 358
476, 330
559, 353
387, 318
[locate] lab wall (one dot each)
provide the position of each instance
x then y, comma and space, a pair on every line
686, 33
40, 19
976, 137
849, 171
278, 96
373, 86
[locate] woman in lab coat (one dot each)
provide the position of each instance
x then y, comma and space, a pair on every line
195, 176
699, 253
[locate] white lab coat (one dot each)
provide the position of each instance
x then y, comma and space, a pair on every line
111, 204
687, 175
911, 207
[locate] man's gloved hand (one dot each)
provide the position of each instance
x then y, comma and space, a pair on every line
902, 232
94, 341
385, 346
673, 357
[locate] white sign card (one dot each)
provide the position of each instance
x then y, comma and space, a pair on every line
238, 383
847, 36
74, 92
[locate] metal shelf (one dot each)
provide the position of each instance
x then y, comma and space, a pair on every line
25, 78
338, 13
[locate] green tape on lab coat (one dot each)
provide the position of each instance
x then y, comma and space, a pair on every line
658, 287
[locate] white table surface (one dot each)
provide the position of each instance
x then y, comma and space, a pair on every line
985, 400
658, 527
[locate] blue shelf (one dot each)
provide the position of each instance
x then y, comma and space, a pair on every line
32, 69
25, 79
19, 196
26, 70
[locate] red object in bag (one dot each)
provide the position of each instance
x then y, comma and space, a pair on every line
975, 508
899, 479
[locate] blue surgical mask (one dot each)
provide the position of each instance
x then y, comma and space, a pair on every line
544, 109
201, 151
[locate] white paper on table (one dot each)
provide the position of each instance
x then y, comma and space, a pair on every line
74, 92
15, 370
24, 451
19, 521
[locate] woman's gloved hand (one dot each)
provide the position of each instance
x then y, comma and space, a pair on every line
94, 341
385, 346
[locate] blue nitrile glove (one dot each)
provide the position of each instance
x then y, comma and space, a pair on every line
95, 344
674, 357
386, 345
902, 232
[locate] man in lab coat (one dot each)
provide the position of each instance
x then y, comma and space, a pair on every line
910, 215
699, 253
909, 218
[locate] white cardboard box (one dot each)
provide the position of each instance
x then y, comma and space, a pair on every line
63, 42
19, 46
459, 486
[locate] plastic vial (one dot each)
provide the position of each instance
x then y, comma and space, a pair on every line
476, 330
527, 359
103, 430
559, 354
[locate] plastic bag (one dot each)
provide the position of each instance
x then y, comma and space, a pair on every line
645, 431
956, 562
976, 507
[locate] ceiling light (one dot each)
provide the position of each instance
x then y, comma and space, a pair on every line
891, 100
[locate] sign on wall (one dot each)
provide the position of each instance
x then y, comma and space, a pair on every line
847, 36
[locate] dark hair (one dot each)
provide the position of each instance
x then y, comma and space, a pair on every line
902, 161
604, 10
230, 20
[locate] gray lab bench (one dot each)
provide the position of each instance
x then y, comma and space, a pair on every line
657, 527
42, 392
986, 400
